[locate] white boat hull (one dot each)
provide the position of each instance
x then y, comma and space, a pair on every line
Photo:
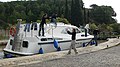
29, 43
47, 48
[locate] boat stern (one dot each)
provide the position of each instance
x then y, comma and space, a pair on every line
10, 53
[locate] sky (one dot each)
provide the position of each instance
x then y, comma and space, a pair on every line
113, 3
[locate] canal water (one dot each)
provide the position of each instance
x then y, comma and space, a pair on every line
1, 55
2, 46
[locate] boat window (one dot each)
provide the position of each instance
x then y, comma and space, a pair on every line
58, 38
11, 42
64, 31
25, 44
46, 39
77, 31
43, 39
49, 38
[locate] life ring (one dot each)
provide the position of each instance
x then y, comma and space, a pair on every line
12, 31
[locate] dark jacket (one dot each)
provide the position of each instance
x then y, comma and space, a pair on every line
53, 18
95, 32
73, 35
43, 20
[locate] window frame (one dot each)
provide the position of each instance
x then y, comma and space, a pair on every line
24, 45
11, 42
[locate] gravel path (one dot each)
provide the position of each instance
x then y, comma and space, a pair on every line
103, 58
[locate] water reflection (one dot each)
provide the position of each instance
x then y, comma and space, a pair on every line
1, 55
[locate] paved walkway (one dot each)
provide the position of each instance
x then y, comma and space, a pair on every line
49, 56
102, 58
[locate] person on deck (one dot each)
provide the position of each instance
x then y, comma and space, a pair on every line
73, 33
86, 29
41, 26
53, 18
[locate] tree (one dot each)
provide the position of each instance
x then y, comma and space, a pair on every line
93, 26
20, 8
71, 9
116, 27
2, 8
30, 16
66, 10
102, 14
62, 19
76, 12
109, 30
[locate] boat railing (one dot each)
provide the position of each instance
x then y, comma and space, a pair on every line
28, 32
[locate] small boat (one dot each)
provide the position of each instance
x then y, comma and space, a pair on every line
26, 40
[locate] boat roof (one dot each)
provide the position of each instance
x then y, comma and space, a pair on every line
59, 24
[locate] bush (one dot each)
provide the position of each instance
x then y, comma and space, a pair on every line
64, 20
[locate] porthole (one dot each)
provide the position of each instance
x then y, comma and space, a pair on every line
25, 44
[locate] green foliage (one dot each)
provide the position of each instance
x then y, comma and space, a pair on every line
38, 21
64, 20
102, 14
41, 14
77, 12
109, 28
116, 28
72, 10
66, 10
23, 22
2, 8
93, 26
106, 30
